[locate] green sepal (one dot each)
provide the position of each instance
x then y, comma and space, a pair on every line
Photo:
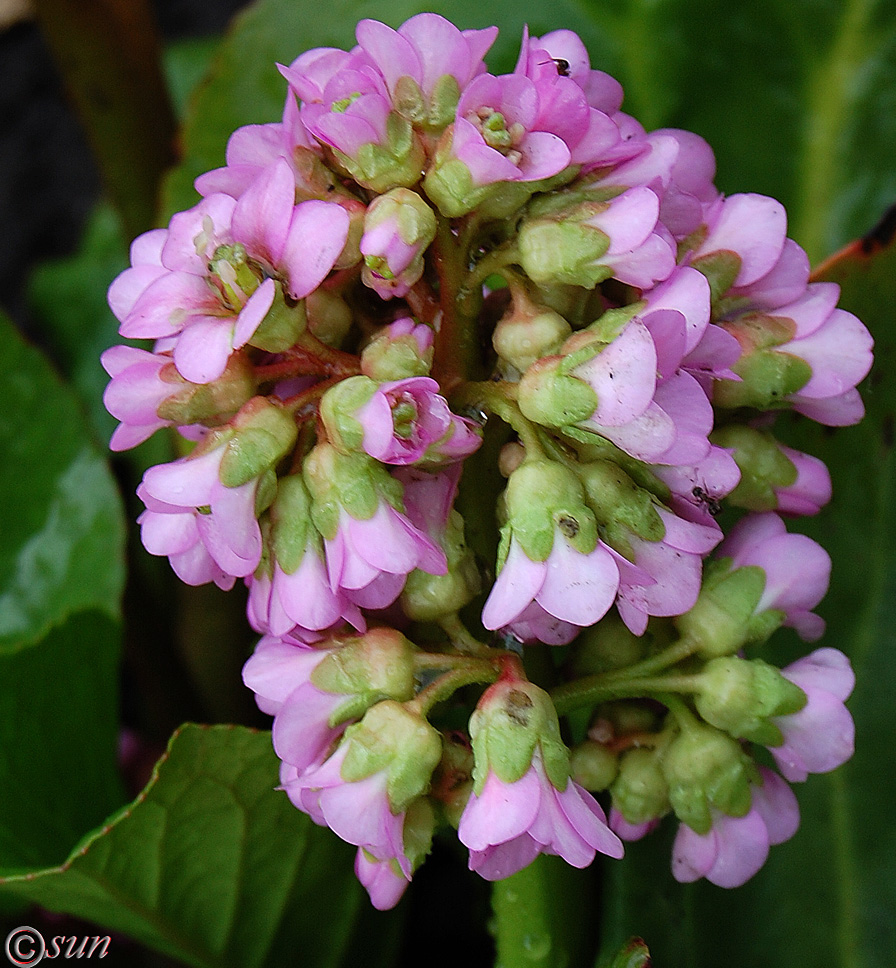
408, 100
764, 467
393, 739
768, 377
551, 399
621, 506
722, 619
355, 482
554, 252
611, 323
215, 402
389, 358
291, 527
442, 103
263, 433
381, 168
512, 719
283, 325
338, 407
379, 663
721, 269
543, 497
740, 696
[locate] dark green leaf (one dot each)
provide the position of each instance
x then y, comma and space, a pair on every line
62, 536
211, 864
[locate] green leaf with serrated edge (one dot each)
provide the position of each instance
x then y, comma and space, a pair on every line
211, 864
61, 539
543, 916
828, 896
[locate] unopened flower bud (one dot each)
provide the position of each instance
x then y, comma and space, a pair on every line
398, 228
620, 505
706, 769
609, 644
549, 396
592, 765
403, 349
329, 316
529, 332
739, 696
640, 791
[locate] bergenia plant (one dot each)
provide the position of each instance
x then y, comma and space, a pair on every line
484, 400
539, 282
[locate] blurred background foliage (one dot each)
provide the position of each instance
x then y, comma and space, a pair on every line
207, 866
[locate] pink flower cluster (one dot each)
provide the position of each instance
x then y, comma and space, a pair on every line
320, 326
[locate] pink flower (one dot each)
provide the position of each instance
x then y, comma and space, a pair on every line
279, 673
737, 847
191, 493
426, 49
666, 575
571, 586
797, 570
135, 393
383, 880
210, 279
356, 811
508, 825
630, 831
406, 420
812, 488
821, 736
369, 559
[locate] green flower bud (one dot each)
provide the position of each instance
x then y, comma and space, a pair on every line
640, 791
393, 739
396, 164
706, 769
740, 696
262, 433
395, 357
606, 646
427, 598
592, 765
528, 332
329, 316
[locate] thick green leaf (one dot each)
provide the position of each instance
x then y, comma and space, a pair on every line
543, 916
211, 864
61, 574
62, 535
827, 897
